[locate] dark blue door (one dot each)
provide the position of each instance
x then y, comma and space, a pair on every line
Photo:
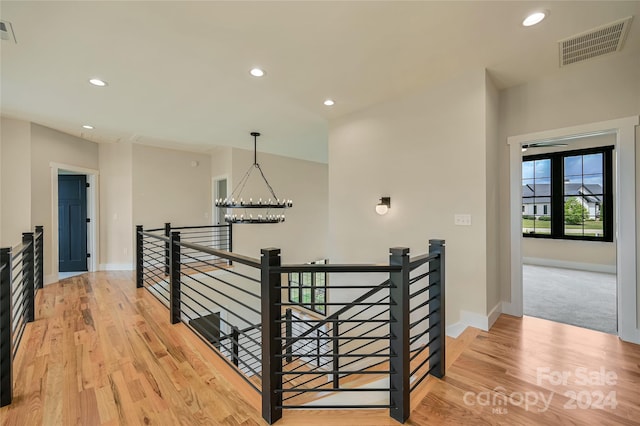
72, 222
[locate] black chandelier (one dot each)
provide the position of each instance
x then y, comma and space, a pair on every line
274, 206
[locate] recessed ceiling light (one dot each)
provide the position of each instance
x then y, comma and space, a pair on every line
535, 18
97, 82
87, 126
329, 102
256, 72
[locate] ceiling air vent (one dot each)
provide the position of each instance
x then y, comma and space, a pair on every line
593, 43
6, 31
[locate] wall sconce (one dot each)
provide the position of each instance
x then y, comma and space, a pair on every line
383, 206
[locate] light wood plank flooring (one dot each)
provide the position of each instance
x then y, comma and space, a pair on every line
103, 352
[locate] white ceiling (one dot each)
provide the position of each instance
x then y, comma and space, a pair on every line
178, 71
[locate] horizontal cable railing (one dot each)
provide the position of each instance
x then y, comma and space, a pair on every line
353, 341
21, 274
195, 280
383, 336
155, 250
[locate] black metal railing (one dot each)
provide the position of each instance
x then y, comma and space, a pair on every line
352, 342
389, 338
21, 274
153, 251
383, 337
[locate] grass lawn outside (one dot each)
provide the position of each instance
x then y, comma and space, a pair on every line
591, 227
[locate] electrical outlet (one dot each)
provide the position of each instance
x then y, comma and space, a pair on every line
462, 219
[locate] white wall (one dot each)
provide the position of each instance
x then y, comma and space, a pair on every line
303, 235
428, 152
116, 223
47, 146
167, 188
15, 181
221, 161
601, 89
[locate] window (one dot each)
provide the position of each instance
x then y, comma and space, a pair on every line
308, 289
575, 191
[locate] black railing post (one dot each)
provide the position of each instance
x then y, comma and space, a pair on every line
399, 335
437, 318
139, 257
167, 249
174, 279
6, 321
335, 332
235, 343
230, 241
288, 342
271, 333
40, 256
28, 274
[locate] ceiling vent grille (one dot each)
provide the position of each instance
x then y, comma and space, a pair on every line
6, 31
593, 43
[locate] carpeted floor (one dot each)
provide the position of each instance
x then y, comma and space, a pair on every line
585, 299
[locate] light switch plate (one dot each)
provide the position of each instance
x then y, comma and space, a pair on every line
462, 219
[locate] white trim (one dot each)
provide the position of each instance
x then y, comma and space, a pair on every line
116, 267
493, 315
214, 190
472, 319
509, 309
625, 208
456, 329
93, 236
50, 279
580, 266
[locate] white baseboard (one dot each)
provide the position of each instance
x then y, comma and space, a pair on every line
116, 267
632, 337
454, 330
555, 263
510, 309
472, 319
493, 315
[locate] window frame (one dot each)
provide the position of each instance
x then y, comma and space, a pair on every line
297, 287
557, 196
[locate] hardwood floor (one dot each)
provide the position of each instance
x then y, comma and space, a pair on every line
103, 352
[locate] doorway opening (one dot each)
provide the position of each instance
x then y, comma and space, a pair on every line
624, 210
91, 227
568, 247
220, 191
72, 222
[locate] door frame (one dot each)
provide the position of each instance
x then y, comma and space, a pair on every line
76, 178
625, 213
214, 190
92, 213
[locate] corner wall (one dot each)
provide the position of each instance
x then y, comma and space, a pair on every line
428, 152
116, 206
493, 198
169, 187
